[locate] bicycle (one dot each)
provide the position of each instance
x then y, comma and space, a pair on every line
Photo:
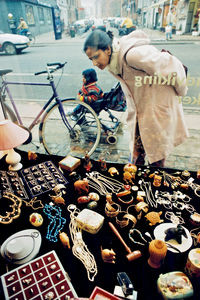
59, 134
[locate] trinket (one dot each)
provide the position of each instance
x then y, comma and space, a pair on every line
198, 174
154, 217
113, 171
69, 163
157, 180
123, 193
157, 251
185, 175
131, 168
32, 155
36, 219
87, 163
81, 186
93, 196
89, 220
92, 205
64, 239
58, 199
141, 206
175, 233
127, 177
108, 256
83, 199
195, 219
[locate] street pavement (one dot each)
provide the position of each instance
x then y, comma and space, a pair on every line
185, 156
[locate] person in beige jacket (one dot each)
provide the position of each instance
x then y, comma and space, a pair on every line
151, 81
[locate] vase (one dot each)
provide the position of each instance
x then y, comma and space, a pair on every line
157, 251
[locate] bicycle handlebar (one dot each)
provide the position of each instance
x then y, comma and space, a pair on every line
59, 66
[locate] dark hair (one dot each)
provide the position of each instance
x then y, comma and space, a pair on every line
90, 75
98, 39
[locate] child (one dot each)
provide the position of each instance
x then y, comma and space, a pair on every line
89, 92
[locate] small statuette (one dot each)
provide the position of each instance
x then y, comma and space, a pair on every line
40, 274
185, 174
62, 287
64, 239
49, 259
154, 217
27, 281
36, 219
87, 164
37, 264
108, 256
157, 180
113, 171
24, 270
31, 291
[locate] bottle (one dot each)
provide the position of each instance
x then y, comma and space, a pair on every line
157, 251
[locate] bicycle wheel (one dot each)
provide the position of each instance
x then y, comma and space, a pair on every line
8, 113
84, 136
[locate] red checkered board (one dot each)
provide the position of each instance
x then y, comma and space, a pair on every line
38, 279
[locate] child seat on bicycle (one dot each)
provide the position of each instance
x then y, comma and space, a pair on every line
89, 93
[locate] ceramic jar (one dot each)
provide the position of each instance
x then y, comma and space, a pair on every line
157, 251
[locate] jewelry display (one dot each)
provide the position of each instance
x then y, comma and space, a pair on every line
132, 231
12, 183
42, 178
56, 221
16, 208
108, 256
79, 248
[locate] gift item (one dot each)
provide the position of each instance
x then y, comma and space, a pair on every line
159, 233
69, 163
174, 285
64, 239
192, 267
42, 178
113, 171
108, 255
89, 220
22, 246
36, 219
87, 162
42, 278
157, 251
153, 217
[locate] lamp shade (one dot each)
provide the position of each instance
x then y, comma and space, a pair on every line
11, 135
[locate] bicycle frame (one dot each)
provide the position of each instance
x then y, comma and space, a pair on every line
55, 96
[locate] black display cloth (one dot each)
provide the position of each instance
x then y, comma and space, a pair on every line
143, 277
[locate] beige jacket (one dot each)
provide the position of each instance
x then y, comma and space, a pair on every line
151, 80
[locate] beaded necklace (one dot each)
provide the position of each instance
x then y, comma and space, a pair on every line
57, 222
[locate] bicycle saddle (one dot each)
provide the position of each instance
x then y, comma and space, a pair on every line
5, 71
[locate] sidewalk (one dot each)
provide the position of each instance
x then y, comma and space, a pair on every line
154, 35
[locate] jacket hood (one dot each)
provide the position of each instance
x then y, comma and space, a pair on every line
133, 39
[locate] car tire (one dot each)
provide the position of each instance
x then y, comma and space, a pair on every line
9, 48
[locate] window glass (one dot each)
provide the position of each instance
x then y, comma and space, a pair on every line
41, 15
30, 14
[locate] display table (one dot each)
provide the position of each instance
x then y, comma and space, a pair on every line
143, 276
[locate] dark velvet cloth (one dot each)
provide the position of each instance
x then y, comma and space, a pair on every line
143, 277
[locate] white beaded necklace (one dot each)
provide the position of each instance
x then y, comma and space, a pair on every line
79, 248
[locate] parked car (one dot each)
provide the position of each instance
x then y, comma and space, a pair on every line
99, 24
13, 43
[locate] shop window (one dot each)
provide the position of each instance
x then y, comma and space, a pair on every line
41, 15
49, 16
30, 15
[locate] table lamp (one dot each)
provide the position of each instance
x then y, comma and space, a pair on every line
12, 135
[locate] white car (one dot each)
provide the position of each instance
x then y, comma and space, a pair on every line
13, 43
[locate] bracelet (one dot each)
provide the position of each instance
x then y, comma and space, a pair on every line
126, 202
123, 193
124, 222
110, 209
131, 218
